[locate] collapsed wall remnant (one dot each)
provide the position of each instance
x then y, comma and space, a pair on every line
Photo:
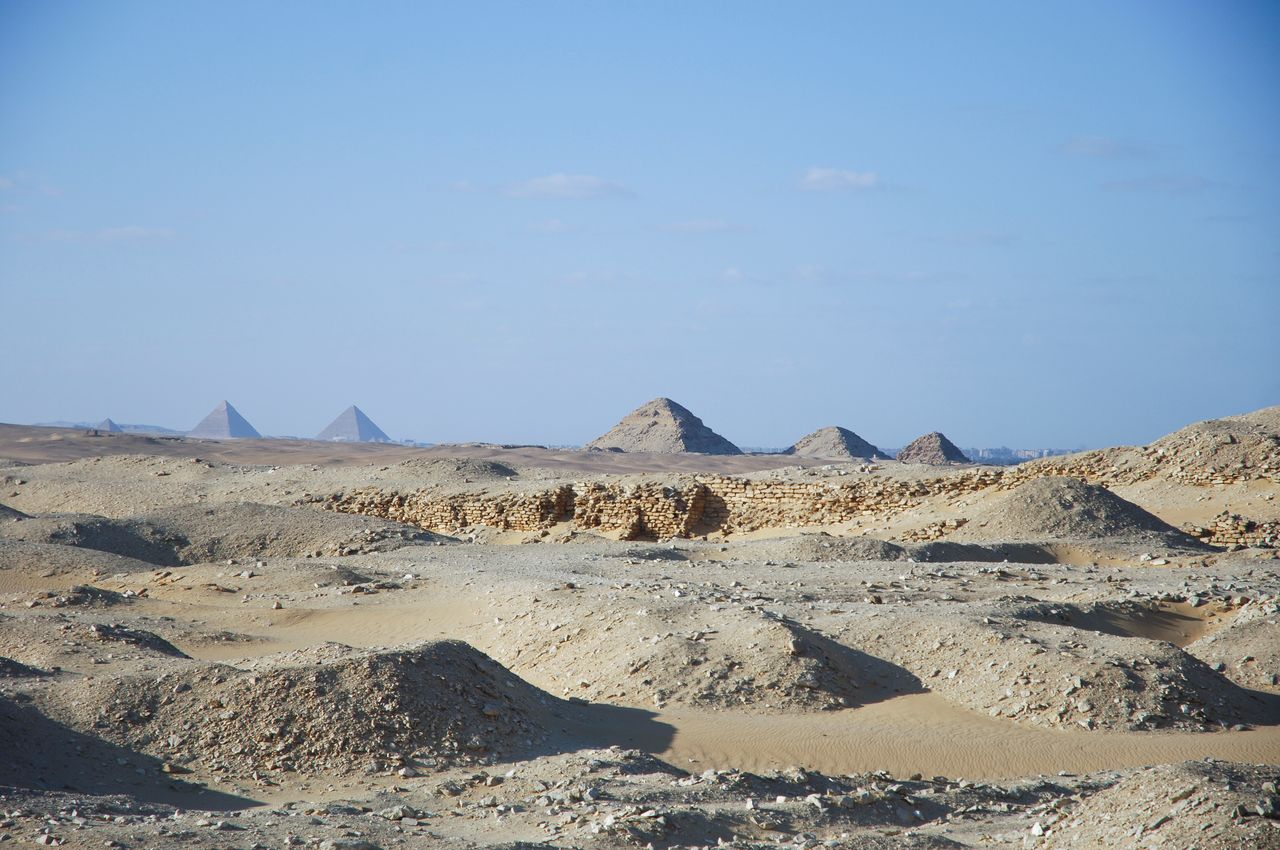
1234, 531
695, 505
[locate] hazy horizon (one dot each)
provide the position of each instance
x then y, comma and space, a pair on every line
1033, 226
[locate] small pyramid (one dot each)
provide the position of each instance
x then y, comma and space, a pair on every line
664, 427
109, 426
932, 448
224, 423
835, 443
352, 426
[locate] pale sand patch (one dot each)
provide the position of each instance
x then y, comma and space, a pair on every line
926, 734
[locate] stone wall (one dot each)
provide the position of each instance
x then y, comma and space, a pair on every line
1235, 531
685, 508
690, 506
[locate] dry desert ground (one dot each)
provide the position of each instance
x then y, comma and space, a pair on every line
270, 644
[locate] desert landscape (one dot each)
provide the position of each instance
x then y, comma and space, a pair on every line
654, 641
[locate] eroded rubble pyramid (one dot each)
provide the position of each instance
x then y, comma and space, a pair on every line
932, 448
665, 427
835, 443
352, 426
224, 423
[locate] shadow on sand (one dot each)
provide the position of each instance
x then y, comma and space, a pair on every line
40, 754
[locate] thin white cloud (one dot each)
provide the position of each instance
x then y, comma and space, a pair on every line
133, 233
702, 225
838, 180
109, 235
1105, 147
1167, 184
549, 225
6, 182
568, 186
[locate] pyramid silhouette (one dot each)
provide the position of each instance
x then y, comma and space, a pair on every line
835, 443
932, 448
353, 426
666, 427
224, 423
109, 426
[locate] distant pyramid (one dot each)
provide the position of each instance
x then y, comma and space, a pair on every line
836, 443
224, 423
932, 448
353, 426
665, 427
109, 426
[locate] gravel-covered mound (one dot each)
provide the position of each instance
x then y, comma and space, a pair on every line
437, 705
79, 643
1209, 805
1247, 646
1017, 663
448, 471
705, 657
56, 559
1064, 508
817, 548
194, 534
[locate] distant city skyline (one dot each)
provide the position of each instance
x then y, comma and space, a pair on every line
1032, 225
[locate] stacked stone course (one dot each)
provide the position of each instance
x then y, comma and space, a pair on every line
689, 506
1233, 530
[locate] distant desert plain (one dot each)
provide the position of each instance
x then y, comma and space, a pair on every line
654, 641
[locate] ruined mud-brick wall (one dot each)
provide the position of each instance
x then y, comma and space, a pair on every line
933, 531
1233, 530
456, 511
640, 510
701, 505
739, 504
705, 504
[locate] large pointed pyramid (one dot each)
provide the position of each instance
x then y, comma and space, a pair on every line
665, 427
224, 423
836, 443
109, 426
932, 448
352, 426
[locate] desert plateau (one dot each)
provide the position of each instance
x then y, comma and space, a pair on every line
266, 643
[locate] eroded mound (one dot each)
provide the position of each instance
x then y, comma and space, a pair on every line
1208, 805
1247, 647
1019, 664
709, 659
445, 471
437, 705
79, 644
817, 548
10, 514
1064, 508
194, 534
48, 559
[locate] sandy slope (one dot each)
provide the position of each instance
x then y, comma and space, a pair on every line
177, 632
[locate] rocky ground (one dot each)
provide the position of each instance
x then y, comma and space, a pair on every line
193, 656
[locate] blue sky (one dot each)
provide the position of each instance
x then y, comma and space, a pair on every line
1031, 224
